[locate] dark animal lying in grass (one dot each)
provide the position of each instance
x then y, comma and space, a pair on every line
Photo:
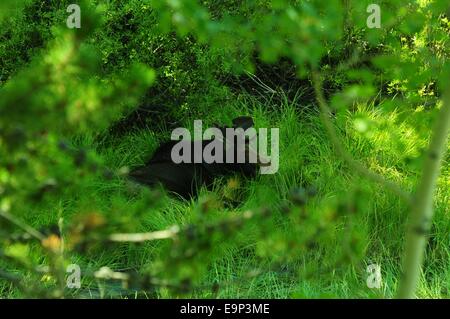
185, 178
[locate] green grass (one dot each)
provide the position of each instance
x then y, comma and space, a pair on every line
255, 264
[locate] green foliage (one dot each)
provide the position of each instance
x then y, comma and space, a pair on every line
307, 231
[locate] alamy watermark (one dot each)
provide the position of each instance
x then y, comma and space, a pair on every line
73, 280
74, 19
227, 145
374, 19
373, 280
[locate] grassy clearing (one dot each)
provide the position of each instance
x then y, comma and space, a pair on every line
244, 267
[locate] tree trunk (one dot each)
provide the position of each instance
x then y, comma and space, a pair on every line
422, 210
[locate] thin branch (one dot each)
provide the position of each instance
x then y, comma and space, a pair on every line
325, 114
141, 237
10, 277
28, 229
259, 82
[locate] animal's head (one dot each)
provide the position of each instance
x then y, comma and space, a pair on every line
244, 132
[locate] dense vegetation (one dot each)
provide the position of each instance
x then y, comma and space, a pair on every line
356, 107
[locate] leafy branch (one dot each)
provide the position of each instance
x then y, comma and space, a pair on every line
326, 114
421, 205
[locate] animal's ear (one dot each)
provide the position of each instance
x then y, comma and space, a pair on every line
244, 122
